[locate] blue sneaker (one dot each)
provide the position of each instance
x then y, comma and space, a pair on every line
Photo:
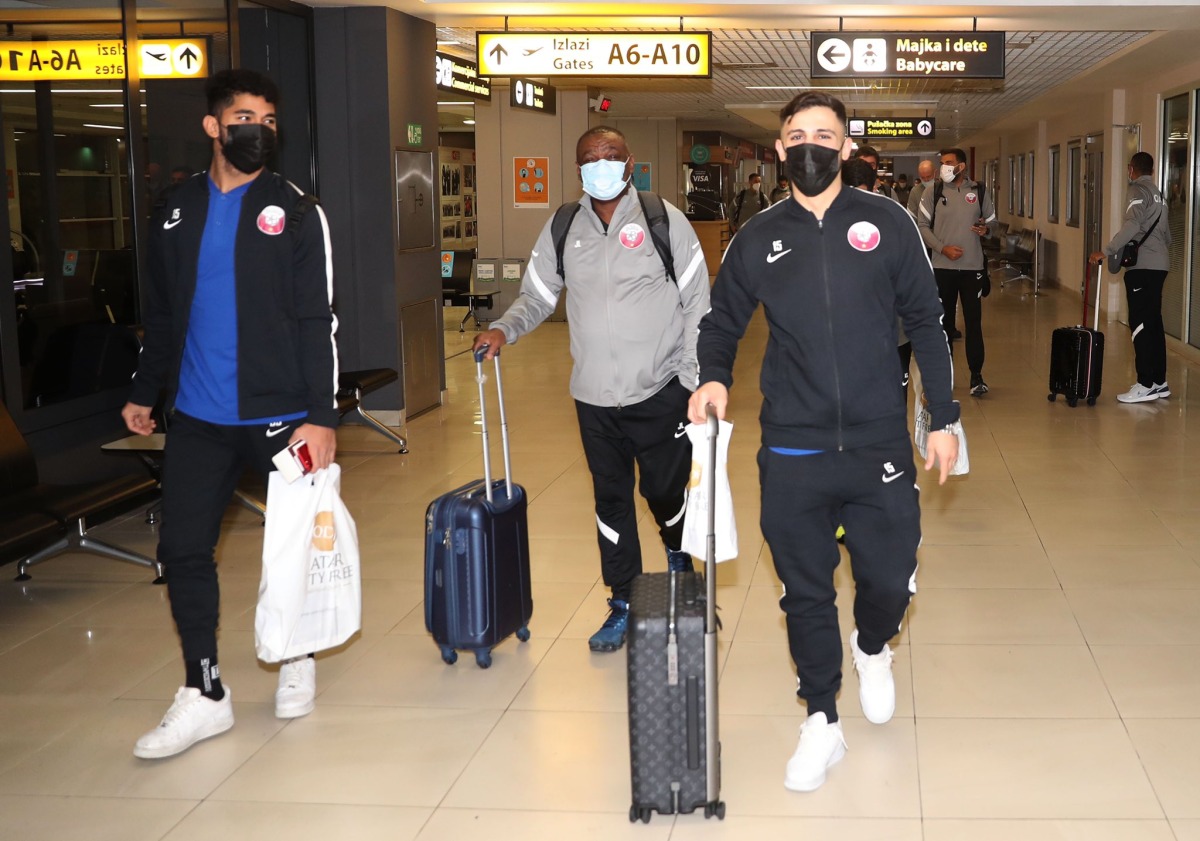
611, 635
679, 561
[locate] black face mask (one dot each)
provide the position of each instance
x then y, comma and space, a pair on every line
812, 168
248, 146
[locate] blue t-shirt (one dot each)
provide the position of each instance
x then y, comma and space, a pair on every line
208, 375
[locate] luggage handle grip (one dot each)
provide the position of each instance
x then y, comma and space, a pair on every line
483, 425
481, 350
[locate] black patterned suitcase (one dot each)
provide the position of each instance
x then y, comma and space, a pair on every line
674, 750
1077, 358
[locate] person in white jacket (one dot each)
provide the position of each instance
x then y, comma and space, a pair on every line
633, 330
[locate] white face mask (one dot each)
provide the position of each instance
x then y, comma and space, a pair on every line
948, 172
604, 180
755, 186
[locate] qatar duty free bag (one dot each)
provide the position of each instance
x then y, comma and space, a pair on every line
310, 596
695, 516
962, 465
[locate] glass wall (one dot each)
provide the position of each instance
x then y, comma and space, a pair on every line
1171, 168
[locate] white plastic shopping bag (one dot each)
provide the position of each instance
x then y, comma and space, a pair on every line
695, 517
921, 424
310, 596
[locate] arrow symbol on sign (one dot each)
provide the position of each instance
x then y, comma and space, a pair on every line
831, 55
498, 52
189, 56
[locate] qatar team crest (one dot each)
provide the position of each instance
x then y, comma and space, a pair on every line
271, 220
632, 235
863, 236
972, 198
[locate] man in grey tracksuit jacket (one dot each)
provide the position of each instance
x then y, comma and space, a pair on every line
1145, 216
633, 342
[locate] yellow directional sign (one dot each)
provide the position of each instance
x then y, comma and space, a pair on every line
669, 54
45, 61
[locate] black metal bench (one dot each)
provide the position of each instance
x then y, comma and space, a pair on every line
39, 521
352, 385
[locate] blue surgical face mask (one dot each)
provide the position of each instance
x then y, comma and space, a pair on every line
604, 180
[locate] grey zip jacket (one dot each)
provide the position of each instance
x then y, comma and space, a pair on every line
1144, 204
632, 330
952, 224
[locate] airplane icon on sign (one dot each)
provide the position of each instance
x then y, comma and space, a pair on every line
531, 52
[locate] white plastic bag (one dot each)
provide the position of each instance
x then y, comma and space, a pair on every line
695, 517
921, 423
310, 596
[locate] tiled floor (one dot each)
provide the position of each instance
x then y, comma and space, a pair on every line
1048, 677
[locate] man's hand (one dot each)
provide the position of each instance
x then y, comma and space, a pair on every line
952, 252
1096, 257
494, 339
942, 450
714, 393
980, 229
137, 419
321, 440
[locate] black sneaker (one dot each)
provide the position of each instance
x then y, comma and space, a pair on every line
679, 561
978, 386
955, 333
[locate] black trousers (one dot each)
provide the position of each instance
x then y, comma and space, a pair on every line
651, 435
872, 492
968, 285
202, 464
1143, 292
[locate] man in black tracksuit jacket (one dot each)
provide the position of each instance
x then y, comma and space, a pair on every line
239, 334
832, 268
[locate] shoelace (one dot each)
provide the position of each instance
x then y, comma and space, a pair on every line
873, 662
179, 710
617, 617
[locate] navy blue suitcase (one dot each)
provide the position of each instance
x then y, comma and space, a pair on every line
477, 589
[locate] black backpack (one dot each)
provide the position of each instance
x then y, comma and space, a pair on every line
939, 197
655, 212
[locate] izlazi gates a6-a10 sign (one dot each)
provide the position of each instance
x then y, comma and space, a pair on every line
907, 55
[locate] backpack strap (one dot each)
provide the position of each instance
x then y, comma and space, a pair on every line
655, 211
305, 203
563, 217
653, 208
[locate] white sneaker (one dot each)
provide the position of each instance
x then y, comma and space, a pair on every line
821, 746
1163, 390
876, 686
191, 718
297, 688
1139, 393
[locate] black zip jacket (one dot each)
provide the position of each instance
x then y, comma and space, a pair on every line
831, 291
287, 356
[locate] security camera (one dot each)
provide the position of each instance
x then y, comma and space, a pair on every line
601, 104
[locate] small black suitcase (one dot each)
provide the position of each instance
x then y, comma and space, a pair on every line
674, 750
477, 589
1077, 359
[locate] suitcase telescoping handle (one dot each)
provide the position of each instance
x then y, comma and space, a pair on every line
713, 429
1099, 283
483, 425
712, 743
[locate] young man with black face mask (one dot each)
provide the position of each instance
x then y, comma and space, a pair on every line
239, 334
832, 269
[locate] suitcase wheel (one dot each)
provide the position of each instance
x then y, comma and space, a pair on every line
636, 814
1091, 401
1051, 396
523, 634
717, 809
1072, 402
483, 658
449, 656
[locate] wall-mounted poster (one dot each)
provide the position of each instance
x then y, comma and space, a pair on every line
531, 182
641, 177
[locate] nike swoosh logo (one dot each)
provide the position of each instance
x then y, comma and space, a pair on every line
271, 433
1139, 289
771, 258
893, 477
681, 433
169, 225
